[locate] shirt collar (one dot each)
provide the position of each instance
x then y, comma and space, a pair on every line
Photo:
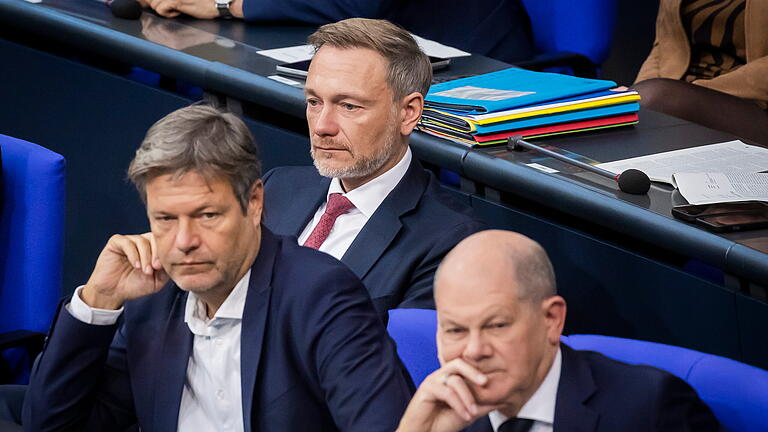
195, 311
541, 406
368, 197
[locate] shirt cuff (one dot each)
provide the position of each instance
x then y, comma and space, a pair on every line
82, 312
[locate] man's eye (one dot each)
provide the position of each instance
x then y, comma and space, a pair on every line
209, 215
312, 102
164, 218
349, 106
498, 325
454, 330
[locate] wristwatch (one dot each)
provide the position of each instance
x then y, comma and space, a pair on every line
223, 7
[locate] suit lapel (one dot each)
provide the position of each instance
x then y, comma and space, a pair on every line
255, 316
172, 366
575, 388
304, 203
384, 224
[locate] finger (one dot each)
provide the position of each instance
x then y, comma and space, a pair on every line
459, 366
155, 256
166, 9
457, 384
145, 253
121, 245
449, 397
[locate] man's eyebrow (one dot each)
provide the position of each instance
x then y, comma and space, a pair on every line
342, 96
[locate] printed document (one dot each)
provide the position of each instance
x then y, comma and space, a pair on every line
728, 157
708, 188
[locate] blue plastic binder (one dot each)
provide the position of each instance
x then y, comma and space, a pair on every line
507, 89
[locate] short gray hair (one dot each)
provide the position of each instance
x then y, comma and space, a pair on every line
198, 138
535, 275
408, 69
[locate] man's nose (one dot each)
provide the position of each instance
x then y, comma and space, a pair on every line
187, 236
325, 123
477, 347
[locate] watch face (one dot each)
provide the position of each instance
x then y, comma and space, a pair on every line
222, 3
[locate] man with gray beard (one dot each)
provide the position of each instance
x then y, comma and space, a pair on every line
368, 201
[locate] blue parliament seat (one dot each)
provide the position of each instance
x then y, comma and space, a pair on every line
735, 392
31, 242
576, 34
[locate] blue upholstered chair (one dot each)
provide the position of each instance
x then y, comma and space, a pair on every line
736, 393
31, 240
576, 34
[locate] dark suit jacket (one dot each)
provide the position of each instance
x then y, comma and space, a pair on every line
494, 28
314, 356
598, 394
399, 248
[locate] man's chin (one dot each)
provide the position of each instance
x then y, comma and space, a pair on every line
194, 283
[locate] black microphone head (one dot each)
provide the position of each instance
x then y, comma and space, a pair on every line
127, 9
634, 181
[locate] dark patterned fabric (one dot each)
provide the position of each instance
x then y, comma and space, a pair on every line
715, 29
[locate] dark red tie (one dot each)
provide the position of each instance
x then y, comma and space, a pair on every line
338, 204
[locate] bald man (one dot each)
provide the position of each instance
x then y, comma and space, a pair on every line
504, 369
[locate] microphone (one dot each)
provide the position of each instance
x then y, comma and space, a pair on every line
127, 9
630, 181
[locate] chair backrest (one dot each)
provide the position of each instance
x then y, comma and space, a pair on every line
583, 27
31, 234
737, 393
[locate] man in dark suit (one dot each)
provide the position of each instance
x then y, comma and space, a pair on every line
251, 332
504, 369
368, 201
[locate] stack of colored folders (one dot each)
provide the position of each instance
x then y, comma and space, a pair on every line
486, 109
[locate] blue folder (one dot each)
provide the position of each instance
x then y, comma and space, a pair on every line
567, 117
509, 88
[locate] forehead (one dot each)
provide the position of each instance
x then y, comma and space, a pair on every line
475, 294
188, 189
347, 70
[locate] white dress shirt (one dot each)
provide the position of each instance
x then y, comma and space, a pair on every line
541, 406
212, 395
367, 198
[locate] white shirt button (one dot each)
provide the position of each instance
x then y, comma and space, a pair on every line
220, 394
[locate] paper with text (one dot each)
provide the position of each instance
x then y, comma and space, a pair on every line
732, 156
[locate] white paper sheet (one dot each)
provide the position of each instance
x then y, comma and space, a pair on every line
731, 156
290, 54
305, 52
707, 188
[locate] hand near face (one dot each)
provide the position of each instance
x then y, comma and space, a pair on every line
127, 268
444, 401
205, 9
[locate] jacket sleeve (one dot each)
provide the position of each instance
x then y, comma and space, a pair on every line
349, 353
746, 82
80, 381
314, 12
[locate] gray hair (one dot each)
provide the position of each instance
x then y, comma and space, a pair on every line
203, 139
409, 69
534, 274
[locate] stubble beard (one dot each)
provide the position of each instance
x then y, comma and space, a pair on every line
361, 166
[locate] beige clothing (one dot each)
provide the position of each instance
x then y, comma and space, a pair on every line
671, 53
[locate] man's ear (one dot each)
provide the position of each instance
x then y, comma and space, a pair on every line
256, 201
411, 108
554, 310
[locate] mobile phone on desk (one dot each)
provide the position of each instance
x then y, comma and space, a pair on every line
301, 68
725, 217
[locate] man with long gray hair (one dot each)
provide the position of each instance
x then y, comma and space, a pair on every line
368, 201
210, 322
